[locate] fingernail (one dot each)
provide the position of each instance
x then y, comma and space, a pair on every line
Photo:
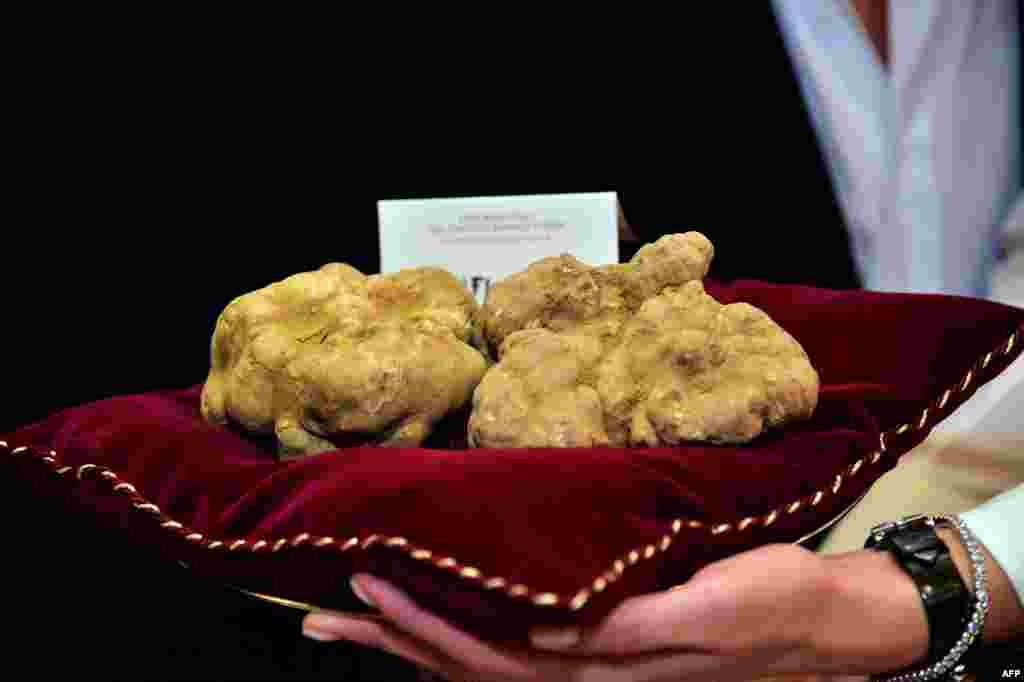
311, 631
354, 584
555, 639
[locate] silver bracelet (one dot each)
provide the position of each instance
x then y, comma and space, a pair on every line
950, 663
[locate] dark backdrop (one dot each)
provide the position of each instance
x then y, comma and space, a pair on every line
151, 193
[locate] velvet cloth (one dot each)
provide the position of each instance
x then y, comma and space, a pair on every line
499, 540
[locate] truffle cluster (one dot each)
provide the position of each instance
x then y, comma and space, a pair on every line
635, 354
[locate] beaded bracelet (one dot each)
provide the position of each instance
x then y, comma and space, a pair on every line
980, 603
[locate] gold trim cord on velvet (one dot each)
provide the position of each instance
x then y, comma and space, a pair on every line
573, 602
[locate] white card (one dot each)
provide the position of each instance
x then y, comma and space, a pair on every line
484, 239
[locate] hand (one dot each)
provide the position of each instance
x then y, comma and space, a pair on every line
776, 609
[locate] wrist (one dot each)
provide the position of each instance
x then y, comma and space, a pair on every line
872, 619
1006, 616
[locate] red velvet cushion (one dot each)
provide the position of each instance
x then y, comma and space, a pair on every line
497, 540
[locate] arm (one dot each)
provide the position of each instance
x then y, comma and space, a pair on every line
871, 582
993, 524
775, 609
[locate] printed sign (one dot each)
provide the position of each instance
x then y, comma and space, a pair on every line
483, 239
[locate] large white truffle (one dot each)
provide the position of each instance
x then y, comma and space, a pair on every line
336, 356
634, 354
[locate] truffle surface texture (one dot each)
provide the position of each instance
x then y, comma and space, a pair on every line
334, 356
636, 354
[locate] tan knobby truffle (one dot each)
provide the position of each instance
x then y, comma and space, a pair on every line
334, 355
633, 354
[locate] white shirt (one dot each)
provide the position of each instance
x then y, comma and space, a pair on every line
1008, 275
925, 156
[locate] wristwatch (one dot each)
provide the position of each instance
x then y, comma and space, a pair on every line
926, 559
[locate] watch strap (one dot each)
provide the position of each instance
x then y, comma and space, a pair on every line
926, 559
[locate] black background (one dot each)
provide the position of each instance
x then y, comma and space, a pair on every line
163, 165
146, 208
